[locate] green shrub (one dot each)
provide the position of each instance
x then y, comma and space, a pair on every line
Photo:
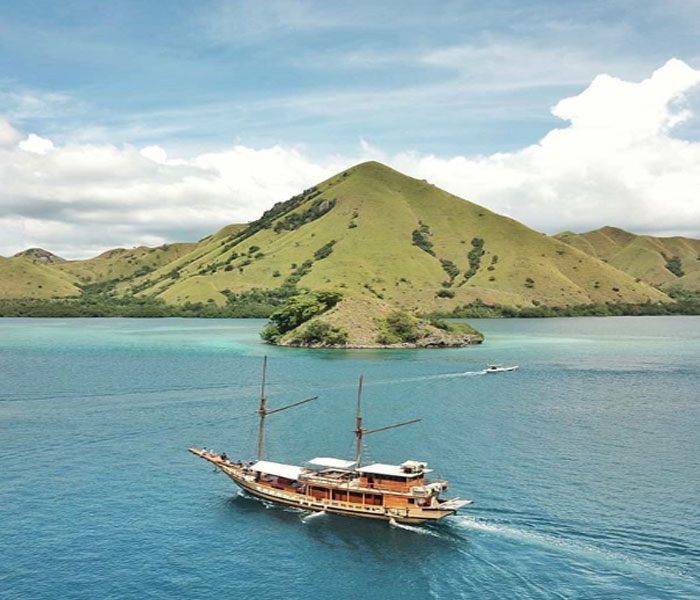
674, 265
398, 327
271, 333
145, 270
298, 310
320, 332
445, 294
438, 323
295, 220
295, 276
324, 251
420, 239
450, 268
474, 258
329, 298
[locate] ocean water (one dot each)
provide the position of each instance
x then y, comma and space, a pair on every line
584, 465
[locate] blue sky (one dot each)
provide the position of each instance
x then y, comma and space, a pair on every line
437, 77
125, 123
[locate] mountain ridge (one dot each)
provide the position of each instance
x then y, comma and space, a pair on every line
669, 263
371, 231
373, 221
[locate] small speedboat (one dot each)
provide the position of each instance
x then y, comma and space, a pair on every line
499, 369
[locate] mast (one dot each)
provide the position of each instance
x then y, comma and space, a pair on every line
358, 426
360, 431
263, 411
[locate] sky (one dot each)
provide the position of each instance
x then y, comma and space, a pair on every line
128, 123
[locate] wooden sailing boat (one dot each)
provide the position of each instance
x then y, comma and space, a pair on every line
398, 493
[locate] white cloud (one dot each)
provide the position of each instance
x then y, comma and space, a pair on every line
36, 144
79, 200
615, 162
155, 153
8, 134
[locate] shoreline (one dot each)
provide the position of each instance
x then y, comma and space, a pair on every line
474, 340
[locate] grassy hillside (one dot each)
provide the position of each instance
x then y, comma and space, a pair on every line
328, 319
374, 232
121, 263
40, 256
22, 277
58, 277
669, 263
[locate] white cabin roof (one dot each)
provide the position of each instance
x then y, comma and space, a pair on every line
391, 470
335, 463
277, 469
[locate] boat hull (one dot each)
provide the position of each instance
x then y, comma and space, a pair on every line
304, 502
500, 370
297, 497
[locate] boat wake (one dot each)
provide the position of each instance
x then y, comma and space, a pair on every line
413, 528
312, 515
430, 377
268, 505
568, 546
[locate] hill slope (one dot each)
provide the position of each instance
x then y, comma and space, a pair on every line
375, 232
39, 255
21, 277
122, 263
668, 263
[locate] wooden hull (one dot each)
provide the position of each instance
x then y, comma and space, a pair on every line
415, 516
298, 498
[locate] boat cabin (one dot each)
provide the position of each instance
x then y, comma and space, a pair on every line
337, 473
394, 478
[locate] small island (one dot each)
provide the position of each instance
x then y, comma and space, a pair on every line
327, 319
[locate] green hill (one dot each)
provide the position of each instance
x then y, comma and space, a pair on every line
665, 262
22, 277
120, 263
39, 274
39, 255
374, 232
330, 319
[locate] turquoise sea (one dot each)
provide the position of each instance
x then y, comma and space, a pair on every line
584, 465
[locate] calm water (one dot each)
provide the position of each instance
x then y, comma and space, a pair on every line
584, 465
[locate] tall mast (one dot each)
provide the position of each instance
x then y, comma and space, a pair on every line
360, 431
358, 426
262, 412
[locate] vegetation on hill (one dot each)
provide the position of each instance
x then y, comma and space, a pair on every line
375, 235
686, 304
123, 264
665, 262
297, 311
408, 242
326, 319
22, 277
